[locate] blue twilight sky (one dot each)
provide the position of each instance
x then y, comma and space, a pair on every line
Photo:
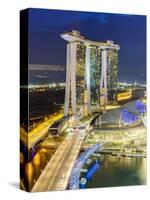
129, 31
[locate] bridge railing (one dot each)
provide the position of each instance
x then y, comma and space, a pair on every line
75, 174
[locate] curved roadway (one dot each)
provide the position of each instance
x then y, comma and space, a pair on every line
57, 172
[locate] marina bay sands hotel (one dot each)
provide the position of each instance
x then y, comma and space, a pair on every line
91, 73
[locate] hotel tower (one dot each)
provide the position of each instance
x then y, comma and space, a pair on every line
91, 72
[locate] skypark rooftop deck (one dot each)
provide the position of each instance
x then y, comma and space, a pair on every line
75, 36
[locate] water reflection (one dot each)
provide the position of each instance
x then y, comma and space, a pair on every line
88, 175
114, 171
32, 168
92, 170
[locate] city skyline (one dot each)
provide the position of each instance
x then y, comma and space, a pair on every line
129, 31
80, 127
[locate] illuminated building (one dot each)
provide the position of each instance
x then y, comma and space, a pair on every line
95, 78
112, 70
128, 118
91, 71
80, 77
121, 96
140, 107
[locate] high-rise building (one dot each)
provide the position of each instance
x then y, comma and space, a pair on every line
91, 72
95, 68
80, 77
112, 73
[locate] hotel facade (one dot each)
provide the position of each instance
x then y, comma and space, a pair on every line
91, 74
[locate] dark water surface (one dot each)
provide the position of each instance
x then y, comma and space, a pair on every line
107, 171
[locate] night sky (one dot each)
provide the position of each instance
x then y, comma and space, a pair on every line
46, 47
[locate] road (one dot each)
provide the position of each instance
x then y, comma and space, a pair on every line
57, 172
34, 136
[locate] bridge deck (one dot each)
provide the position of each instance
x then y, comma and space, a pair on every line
57, 172
31, 138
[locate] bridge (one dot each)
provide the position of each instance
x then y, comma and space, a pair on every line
75, 175
57, 172
34, 136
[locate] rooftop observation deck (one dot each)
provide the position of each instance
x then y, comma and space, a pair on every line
75, 36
